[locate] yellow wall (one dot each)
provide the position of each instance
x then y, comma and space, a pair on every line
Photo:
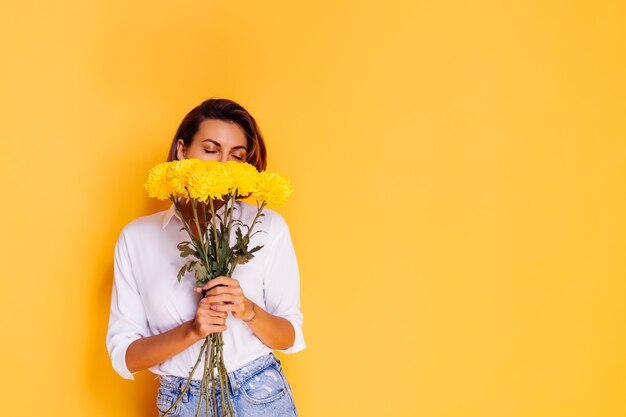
459, 214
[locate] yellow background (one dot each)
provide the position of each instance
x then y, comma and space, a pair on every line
459, 213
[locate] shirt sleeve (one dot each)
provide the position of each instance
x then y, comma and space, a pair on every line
282, 283
127, 320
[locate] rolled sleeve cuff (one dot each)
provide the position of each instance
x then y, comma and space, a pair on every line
119, 360
299, 343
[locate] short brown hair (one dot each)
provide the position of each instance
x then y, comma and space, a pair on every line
228, 110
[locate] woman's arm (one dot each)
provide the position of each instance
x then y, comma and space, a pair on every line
275, 332
149, 351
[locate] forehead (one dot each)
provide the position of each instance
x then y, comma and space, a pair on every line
225, 132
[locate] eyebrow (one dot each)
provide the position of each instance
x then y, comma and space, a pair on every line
218, 144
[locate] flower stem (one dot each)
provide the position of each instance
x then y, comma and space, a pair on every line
217, 244
203, 251
200, 234
208, 373
232, 210
258, 213
204, 345
185, 225
213, 357
206, 226
201, 388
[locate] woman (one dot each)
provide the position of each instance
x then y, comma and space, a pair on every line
158, 323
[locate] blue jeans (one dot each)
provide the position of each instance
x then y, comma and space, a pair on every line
259, 388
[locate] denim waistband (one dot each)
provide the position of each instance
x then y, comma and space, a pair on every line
235, 377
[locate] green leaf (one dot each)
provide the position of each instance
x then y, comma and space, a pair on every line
186, 249
200, 271
185, 268
256, 248
242, 259
181, 272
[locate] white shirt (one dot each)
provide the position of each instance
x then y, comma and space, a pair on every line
147, 299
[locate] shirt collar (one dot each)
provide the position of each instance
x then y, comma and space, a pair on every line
171, 212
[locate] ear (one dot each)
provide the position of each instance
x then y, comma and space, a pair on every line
180, 149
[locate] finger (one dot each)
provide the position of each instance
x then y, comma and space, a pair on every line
212, 328
211, 316
205, 306
225, 290
213, 299
216, 313
206, 299
213, 320
213, 282
213, 313
220, 289
224, 307
221, 280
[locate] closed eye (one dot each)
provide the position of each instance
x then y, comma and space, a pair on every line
239, 158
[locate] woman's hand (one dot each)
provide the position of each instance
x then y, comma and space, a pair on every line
207, 321
224, 294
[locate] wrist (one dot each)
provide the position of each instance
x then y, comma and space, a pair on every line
252, 315
191, 333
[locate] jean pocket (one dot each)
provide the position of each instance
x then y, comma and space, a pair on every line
166, 397
265, 386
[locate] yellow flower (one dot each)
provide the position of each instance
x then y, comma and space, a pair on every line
177, 175
272, 188
200, 180
244, 177
156, 184
209, 179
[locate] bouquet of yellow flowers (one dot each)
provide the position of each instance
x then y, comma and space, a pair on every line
201, 182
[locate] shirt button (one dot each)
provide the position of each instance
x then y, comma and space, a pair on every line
238, 385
